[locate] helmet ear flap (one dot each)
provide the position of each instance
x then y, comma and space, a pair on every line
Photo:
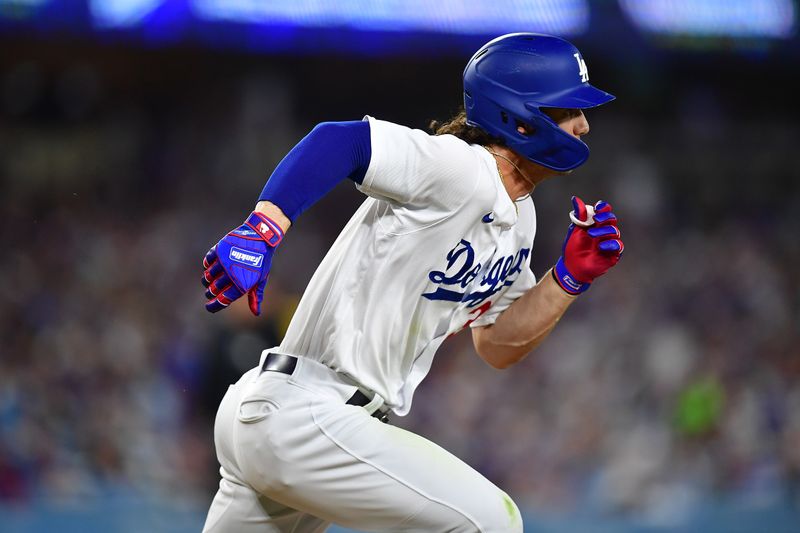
516, 126
551, 146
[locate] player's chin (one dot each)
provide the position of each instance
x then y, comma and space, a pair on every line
556, 173
552, 173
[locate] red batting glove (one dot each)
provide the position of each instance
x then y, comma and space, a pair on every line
591, 248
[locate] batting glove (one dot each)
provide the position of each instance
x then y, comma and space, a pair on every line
591, 248
240, 263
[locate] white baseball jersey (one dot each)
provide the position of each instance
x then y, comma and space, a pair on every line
438, 246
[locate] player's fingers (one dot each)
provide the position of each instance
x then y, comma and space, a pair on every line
215, 305
219, 285
605, 218
612, 246
579, 208
218, 304
229, 294
603, 231
222, 300
602, 207
211, 273
211, 257
212, 290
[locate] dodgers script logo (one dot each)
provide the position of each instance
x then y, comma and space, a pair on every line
246, 257
461, 270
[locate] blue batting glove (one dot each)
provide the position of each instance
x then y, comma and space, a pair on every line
239, 263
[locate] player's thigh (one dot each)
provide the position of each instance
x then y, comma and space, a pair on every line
239, 509
336, 462
449, 494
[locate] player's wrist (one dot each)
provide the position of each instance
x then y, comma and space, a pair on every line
265, 228
274, 213
566, 280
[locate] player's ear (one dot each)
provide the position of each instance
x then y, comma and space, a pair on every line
524, 128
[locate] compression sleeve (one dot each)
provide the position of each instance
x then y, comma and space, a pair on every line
332, 152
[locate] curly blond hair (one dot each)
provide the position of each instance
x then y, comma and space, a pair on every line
458, 126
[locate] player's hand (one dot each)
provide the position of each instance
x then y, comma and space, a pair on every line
592, 246
239, 263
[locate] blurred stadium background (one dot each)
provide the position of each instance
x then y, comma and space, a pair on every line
133, 133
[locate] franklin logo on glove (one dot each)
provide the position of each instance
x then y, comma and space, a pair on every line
241, 256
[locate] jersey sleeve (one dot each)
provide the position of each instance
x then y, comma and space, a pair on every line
412, 168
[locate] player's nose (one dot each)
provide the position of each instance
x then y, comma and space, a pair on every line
580, 126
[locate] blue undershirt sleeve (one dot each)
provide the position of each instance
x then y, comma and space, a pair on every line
332, 152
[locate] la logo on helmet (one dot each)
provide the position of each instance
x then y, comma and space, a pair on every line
582, 70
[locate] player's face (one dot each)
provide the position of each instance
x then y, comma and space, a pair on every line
573, 121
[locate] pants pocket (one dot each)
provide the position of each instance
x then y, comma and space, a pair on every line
254, 410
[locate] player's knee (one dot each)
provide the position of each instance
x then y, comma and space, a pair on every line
493, 514
501, 516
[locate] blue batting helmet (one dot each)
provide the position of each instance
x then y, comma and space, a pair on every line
508, 82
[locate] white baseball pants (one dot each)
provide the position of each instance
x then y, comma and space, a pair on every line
295, 458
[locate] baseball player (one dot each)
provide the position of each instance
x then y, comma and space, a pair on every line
442, 243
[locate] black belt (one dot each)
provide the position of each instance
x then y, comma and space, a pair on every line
285, 364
